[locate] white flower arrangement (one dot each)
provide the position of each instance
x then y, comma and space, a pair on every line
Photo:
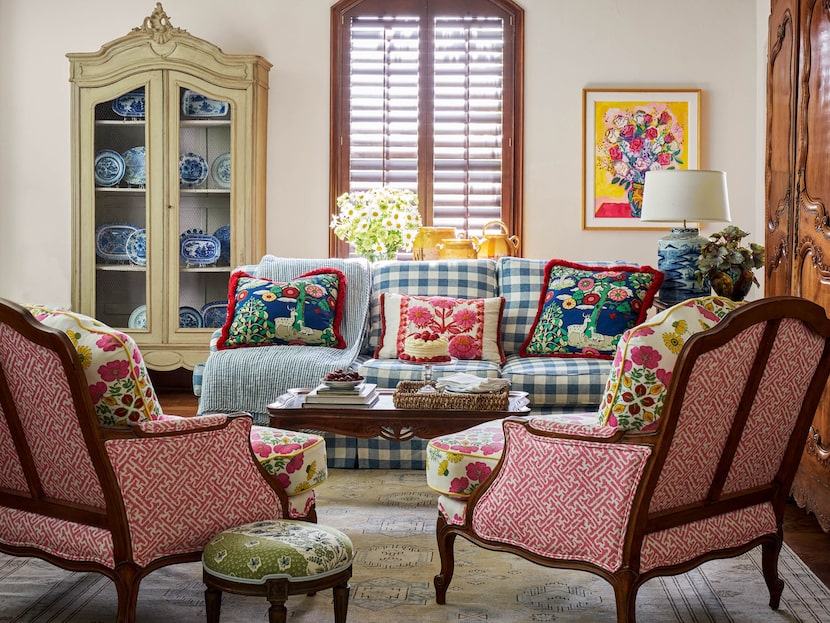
378, 222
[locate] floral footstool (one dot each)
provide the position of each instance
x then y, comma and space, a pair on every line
275, 559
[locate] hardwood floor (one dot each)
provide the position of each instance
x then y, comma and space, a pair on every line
801, 530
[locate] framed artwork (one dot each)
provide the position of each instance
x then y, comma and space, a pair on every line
626, 133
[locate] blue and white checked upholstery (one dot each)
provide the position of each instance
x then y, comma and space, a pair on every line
248, 379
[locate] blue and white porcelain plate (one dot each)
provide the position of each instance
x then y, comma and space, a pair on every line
214, 314
135, 162
137, 247
111, 241
138, 319
199, 249
223, 235
220, 170
193, 170
189, 318
109, 167
197, 105
130, 104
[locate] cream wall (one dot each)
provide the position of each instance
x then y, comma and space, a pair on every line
717, 46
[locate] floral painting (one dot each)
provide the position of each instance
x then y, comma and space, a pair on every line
628, 133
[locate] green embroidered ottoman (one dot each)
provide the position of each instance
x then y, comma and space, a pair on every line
276, 559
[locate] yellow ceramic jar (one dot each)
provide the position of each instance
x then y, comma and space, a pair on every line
427, 240
457, 249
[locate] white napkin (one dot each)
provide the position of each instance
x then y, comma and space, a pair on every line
470, 383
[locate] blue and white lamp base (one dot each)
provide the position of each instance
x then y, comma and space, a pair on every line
677, 256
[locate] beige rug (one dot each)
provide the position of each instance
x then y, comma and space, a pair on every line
390, 516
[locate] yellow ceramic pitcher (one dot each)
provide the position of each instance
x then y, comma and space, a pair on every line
425, 246
457, 249
498, 245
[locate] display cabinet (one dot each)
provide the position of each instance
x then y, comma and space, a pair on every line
168, 170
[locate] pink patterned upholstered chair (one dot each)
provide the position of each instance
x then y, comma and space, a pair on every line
121, 499
710, 480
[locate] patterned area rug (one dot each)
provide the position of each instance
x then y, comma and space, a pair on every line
390, 516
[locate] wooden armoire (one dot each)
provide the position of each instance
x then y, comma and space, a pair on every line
797, 176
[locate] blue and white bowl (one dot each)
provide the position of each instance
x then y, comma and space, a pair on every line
136, 247
109, 167
223, 235
135, 160
193, 170
197, 105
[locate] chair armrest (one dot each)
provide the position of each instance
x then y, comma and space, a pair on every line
183, 480
543, 425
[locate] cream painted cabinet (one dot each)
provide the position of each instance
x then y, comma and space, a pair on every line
168, 158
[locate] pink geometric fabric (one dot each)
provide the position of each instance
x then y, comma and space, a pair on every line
40, 391
220, 487
11, 471
677, 545
589, 488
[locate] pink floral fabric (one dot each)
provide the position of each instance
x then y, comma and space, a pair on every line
297, 459
472, 326
118, 381
645, 357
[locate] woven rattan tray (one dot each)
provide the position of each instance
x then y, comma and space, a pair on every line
406, 396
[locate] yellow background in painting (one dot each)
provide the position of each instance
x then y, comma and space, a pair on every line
604, 113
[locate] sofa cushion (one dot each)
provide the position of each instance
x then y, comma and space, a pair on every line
473, 326
119, 385
305, 311
466, 279
641, 372
558, 382
584, 309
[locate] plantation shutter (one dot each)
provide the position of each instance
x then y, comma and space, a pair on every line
424, 99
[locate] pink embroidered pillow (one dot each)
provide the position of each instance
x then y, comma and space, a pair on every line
473, 326
645, 357
118, 381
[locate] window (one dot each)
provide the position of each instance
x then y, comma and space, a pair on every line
426, 95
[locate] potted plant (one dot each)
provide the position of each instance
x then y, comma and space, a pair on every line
379, 222
727, 265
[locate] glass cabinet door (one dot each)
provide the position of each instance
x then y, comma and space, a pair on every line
120, 209
203, 177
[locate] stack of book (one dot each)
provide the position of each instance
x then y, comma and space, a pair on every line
362, 396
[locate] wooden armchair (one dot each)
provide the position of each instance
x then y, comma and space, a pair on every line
120, 500
710, 480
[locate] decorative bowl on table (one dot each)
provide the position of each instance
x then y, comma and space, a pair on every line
193, 170
108, 167
136, 168
342, 379
111, 241
198, 248
342, 384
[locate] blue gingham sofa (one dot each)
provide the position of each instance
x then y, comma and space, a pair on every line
246, 380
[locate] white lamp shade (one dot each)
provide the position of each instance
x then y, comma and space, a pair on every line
672, 195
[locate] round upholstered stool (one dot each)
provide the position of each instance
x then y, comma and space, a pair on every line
276, 559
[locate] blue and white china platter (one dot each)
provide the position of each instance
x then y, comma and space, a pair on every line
136, 162
197, 105
109, 167
111, 241
137, 247
189, 318
214, 314
199, 249
130, 104
193, 170
138, 319
223, 235
220, 170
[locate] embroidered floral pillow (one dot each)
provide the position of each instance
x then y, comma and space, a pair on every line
583, 310
642, 368
119, 385
305, 311
473, 326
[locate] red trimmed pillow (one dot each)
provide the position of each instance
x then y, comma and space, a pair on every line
583, 310
473, 326
305, 311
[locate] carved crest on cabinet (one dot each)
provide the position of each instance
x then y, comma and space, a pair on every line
158, 25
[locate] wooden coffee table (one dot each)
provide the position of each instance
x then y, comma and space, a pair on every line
381, 420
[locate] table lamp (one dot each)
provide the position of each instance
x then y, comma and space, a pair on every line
672, 195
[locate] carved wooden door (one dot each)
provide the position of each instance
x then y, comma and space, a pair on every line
798, 195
